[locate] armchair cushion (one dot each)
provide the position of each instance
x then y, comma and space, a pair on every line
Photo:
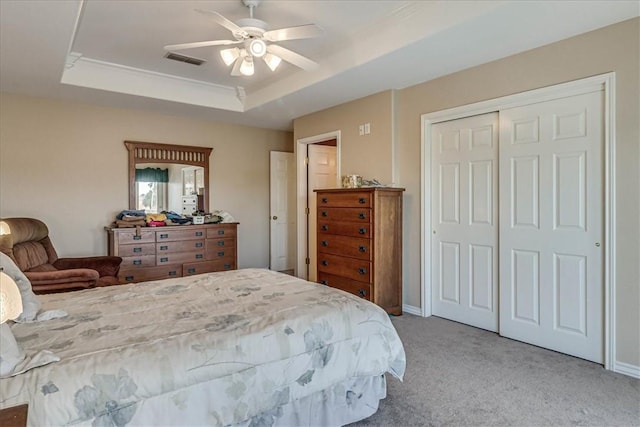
77, 276
104, 265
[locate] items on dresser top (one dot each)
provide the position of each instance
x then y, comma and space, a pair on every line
359, 243
150, 253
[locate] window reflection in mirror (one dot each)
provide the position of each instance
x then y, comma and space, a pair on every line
160, 187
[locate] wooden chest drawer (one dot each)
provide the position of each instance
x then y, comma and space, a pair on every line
361, 215
189, 269
129, 236
215, 252
361, 289
352, 199
185, 233
138, 261
149, 273
344, 228
180, 246
222, 231
345, 245
137, 250
180, 257
213, 244
355, 269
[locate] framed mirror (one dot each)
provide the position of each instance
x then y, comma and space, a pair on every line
168, 177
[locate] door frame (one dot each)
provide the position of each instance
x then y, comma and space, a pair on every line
603, 82
302, 184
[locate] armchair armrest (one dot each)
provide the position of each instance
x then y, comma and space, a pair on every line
104, 265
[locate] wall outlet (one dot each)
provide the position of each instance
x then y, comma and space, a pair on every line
367, 128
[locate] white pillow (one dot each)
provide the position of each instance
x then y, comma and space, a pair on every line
10, 352
30, 302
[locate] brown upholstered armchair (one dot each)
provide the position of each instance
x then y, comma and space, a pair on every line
27, 243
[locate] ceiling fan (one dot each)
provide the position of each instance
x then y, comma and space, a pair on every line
256, 42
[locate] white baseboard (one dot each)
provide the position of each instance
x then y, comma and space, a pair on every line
406, 308
626, 369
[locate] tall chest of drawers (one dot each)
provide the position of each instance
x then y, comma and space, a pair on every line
359, 243
152, 253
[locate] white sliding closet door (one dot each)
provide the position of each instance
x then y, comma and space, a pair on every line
464, 211
551, 225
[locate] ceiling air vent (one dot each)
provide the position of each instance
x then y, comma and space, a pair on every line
184, 58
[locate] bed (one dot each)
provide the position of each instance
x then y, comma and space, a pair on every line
247, 347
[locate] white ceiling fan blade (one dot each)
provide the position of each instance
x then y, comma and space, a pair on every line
292, 57
223, 21
235, 71
201, 44
293, 33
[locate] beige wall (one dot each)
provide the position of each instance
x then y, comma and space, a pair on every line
367, 155
66, 164
614, 48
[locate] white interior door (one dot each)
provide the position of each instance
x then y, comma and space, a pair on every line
464, 220
282, 208
322, 173
551, 225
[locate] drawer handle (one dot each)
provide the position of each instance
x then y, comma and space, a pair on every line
324, 227
362, 249
173, 273
362, 270
164, 259
325, 262
362, 230
323, 282
164, 248
199, 245
220, 232
191, 270
198, 233
164, 236
324, 213
199, 256
325, 200
362, 292
221, 243
227, 266
128, 278
137, 262
221, 253
362, 215
362, 200
137, 237
325, 243
137, 250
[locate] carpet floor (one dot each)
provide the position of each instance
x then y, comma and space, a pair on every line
458, 375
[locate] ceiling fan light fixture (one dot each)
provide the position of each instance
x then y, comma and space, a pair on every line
230, 55
247, 69
272, 61
257, 48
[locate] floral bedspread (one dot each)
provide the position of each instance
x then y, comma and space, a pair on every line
235, 344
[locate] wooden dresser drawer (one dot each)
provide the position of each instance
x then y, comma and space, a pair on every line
361, 215
185, 233
222, 231
137, 250
344, 245
180, 257
180, 246
138, 261
360, 289
192, 268
215, 252
128, 236
355, 269
127, 275
344, 228
351, 199
212, 244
